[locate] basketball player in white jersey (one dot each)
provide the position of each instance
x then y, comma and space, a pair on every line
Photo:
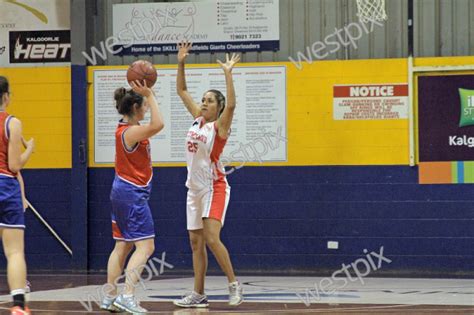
208, 189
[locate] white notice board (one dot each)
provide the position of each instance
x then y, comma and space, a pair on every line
259, 129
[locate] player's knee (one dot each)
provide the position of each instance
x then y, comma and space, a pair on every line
15, 254
123, 248
196, 243
151, 249
212, 241
146, 248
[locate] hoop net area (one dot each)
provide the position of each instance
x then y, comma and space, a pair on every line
371, 10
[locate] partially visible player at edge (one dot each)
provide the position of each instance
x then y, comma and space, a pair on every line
208, 189
132, 222
12, 199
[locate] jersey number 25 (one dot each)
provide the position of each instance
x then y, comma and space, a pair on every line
192, 147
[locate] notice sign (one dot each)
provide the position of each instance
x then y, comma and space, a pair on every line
258, 128
366, 102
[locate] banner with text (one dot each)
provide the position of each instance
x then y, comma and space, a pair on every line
212, 26
34, 32
446, 129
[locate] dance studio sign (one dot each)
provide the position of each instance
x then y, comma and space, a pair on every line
370, 102
212, 26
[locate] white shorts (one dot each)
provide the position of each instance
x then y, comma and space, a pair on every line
207, 204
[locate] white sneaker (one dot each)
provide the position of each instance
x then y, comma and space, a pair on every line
108, 305
236, 296
192, 300
129, 304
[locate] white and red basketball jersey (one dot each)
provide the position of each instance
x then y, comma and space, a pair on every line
203, 150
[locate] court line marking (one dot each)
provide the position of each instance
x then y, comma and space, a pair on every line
256, 284
326, 310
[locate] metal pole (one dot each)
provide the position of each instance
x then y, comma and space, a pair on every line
411, 118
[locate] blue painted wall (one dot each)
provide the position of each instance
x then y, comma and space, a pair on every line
49, 192
279, 219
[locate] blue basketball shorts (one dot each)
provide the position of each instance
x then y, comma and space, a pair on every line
12, 214
131, 214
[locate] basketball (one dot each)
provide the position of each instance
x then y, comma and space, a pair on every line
142, 70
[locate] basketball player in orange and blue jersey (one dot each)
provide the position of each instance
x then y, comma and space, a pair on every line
208, 189
132, 222
12, 199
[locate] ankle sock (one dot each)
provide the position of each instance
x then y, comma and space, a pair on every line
18, 298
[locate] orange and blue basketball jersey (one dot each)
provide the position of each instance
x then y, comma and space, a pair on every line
11, 205
4, 136
131, 214
132, 165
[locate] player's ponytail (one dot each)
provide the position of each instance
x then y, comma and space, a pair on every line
4, 88
125, 99
220, 100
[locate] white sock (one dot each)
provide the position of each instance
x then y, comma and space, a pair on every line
235, 283
17, 291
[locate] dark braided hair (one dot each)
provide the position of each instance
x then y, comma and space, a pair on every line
4, 88
220, 100
125, 99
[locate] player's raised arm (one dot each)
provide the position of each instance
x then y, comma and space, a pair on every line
192, 107
225, 120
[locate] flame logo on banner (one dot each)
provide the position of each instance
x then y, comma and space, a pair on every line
17, 47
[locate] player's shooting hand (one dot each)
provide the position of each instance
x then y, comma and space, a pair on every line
141, 88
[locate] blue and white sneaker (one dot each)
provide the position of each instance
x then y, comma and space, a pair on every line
108, 305
129, 304
192, 300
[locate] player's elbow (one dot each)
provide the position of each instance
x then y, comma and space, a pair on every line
181, 92
230, 107
160, 126
231, 104
14, 166
157, 127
